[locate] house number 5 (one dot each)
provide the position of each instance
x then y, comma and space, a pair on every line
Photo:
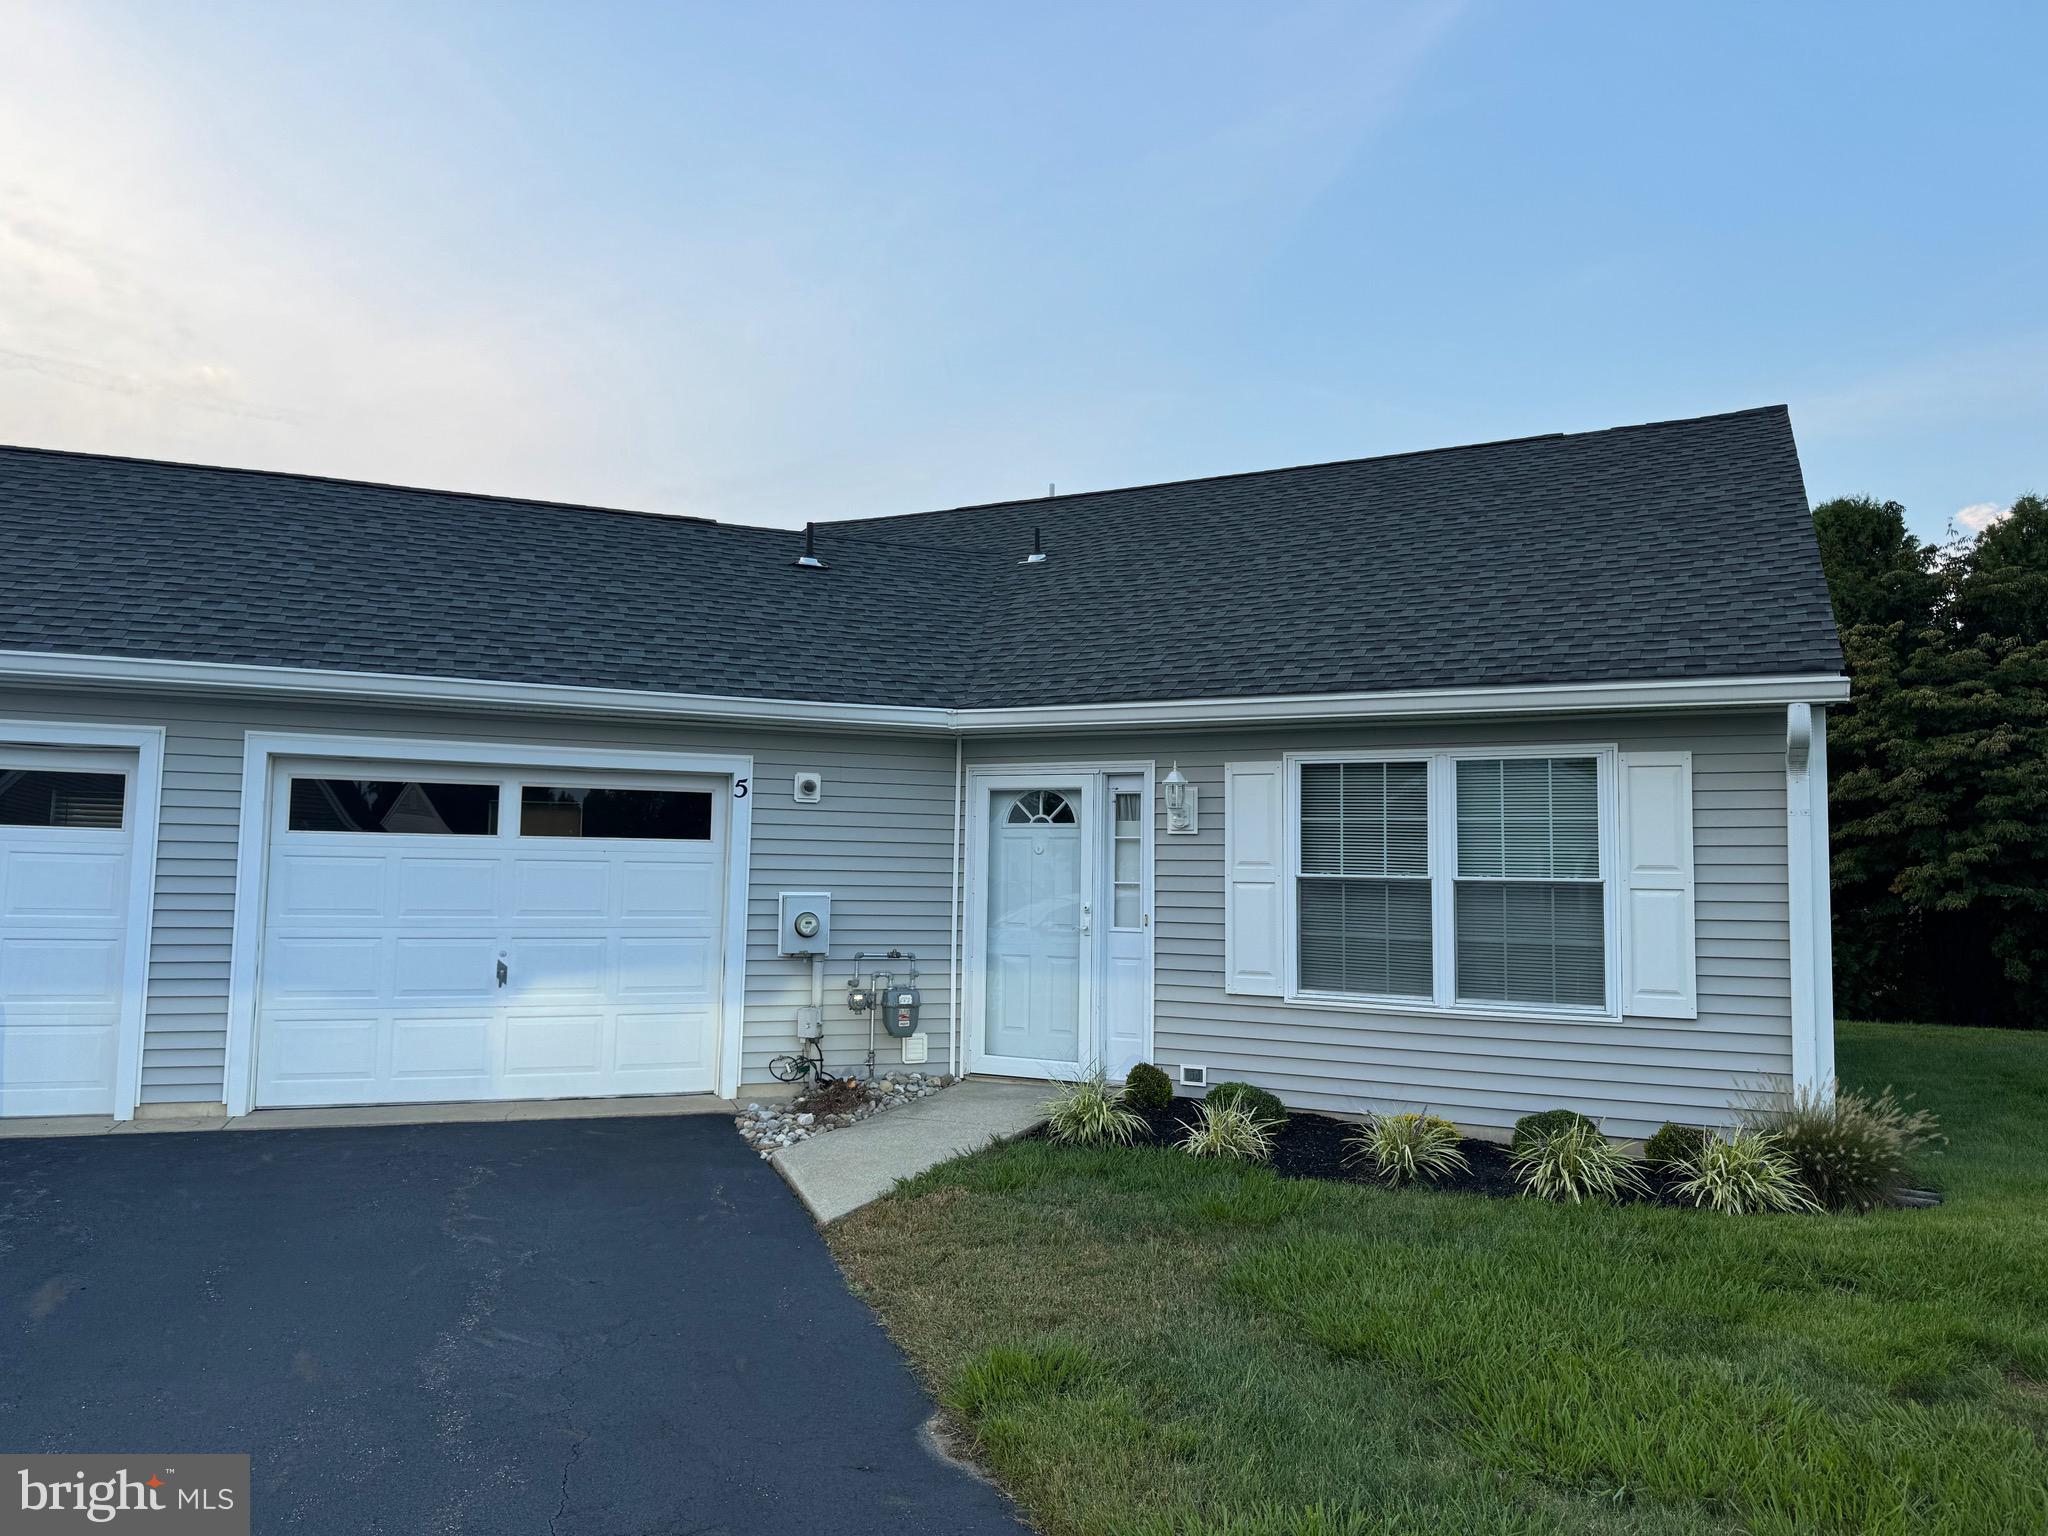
739, 789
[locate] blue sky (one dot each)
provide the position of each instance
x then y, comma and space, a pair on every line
774, 263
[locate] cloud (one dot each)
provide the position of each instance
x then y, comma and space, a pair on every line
160, 304
385, 255
1981, 515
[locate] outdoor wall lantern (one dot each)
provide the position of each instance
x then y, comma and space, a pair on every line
1180, 801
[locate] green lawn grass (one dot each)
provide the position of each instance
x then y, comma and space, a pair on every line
1140, 1342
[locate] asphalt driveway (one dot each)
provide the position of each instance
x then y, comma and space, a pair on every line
600, 1326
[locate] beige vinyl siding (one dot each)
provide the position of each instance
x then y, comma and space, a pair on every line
880, 842
1483, 1072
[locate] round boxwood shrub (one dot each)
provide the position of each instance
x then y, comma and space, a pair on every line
1147, 1088
1530, 1127
1676, 1144
1267, 1111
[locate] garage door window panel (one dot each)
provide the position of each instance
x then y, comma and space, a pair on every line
619, 814
407, 807
37, 797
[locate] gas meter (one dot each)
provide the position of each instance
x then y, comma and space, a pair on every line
900, 1006
887, 1001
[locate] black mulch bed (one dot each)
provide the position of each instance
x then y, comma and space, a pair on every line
1312, 1146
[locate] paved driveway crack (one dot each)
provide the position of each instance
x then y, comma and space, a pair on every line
562, 1505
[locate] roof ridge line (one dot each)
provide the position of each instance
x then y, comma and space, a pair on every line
850, 523
376, 485
1290, 469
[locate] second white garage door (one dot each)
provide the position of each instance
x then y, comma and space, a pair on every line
432, 934
66, 839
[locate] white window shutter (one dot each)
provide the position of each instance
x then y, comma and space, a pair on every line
1254, 863
1658, 966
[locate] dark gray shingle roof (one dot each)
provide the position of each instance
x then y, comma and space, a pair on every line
1678, 549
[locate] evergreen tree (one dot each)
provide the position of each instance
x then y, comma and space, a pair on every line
1939, 768
1877, 572
2001, 585
1884, 588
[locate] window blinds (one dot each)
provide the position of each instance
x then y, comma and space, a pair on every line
1364, 899
1529, 913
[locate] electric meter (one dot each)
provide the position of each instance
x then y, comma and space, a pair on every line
806, 923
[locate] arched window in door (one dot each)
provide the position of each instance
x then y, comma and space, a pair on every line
1044, 807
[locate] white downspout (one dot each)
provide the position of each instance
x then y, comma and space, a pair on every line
954, 990
1804, 855
1823, 906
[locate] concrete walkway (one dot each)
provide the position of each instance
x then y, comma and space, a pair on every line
845, 1170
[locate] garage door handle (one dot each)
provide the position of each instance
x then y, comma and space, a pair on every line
503, 973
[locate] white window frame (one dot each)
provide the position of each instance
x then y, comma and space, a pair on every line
1443, 866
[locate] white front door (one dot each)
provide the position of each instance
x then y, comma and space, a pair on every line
1059, 914
1036, 926
65, 844
436, 933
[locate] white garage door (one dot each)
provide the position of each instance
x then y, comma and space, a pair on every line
435, 934
65, 845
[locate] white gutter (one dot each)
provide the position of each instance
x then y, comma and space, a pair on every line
455, 692
1547, 698
483, 694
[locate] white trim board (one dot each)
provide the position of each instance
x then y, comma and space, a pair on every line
1148, 884
147, 743
476, 693
261, 750
955, 1040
